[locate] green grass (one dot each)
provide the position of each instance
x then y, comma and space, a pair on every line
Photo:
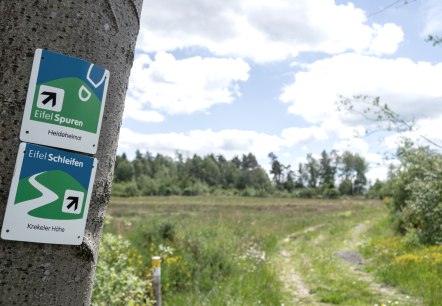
329, 278
227, 250
404, 263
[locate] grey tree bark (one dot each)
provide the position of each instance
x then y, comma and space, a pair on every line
103, 32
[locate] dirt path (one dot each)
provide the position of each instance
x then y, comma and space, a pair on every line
351, 256
297, 291
351, 263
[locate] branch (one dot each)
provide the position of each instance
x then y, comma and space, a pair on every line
382, 113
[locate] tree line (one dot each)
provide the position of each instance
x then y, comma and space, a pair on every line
330, 175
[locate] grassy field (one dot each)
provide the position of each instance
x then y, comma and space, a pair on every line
256, 251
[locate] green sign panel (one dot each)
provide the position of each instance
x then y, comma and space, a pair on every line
65, 102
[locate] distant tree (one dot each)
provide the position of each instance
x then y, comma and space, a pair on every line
249, 162
302, 176
289, 183
312, 169
353, 170
276, 169
360, 180
236, 162
124, 170
229, 172
210, 172
346, 187
327, 170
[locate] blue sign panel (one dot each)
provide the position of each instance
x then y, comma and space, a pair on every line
65, 102
49, 197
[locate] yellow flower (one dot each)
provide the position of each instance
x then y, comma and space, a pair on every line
407, 259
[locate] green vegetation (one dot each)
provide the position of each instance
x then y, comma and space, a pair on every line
330, 176
121, 279
242, 250
210, 253
326, 261
406, 249
405, 263
416, 185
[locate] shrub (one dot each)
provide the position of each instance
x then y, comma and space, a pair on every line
117, 281
331, 193
417, 194
249, 192
147, 185
423, 211
307, 193
118, 189
131, 190
197, 188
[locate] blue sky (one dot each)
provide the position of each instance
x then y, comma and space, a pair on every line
237, 76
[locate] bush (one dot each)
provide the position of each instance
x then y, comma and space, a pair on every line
417, 194
131, 190
307, 193
249, 192
188, 260
118, 190
346, 187
117, 281
331, 193
197, 188
147, 185
423, 211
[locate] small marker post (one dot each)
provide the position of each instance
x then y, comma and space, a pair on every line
156, 279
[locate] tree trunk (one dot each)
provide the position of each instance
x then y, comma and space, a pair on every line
102, 32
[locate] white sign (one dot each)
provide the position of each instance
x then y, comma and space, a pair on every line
49, 196
65, 102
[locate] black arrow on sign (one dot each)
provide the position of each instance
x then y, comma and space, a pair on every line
50, 96
74, 201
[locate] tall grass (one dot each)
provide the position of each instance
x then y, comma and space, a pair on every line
405, 263
220, 250
214, 251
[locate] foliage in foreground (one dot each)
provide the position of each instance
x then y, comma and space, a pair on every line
216, 251
406, 264
121, 278
416, 202
208, 264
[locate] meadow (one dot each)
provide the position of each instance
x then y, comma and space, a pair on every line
261, 251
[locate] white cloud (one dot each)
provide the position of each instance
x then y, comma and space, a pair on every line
433, 12
134, 109
357, 145
295, 135
185, 86
262, 30
379, 173
386, 39
226, 142
334, 126
410, 88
